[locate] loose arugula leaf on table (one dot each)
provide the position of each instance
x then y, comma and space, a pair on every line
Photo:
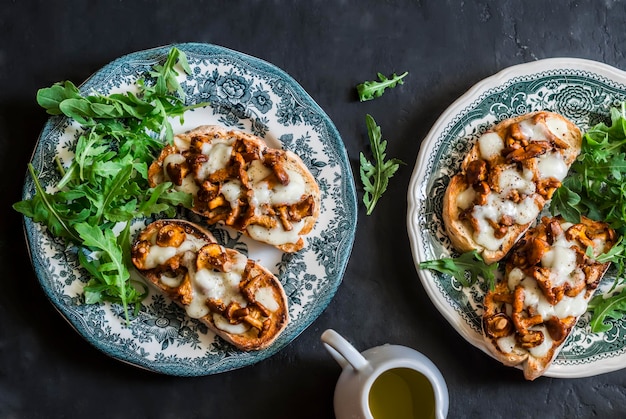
370, 90
467, 263
106, 182
375, 175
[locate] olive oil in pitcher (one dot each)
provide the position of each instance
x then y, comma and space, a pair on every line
402, 393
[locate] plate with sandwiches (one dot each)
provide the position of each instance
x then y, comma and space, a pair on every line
483, 181
239, 275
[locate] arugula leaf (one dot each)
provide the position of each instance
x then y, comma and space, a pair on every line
467, 264
106, 181
565, 201
369, 90
50, 98
111, 269
595, 187
375, 176
604, 309
45, 208
596, 177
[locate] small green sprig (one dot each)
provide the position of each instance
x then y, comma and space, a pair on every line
369, 90
375, 175
459, 267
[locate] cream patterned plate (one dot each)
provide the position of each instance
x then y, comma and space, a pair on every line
582, 91
248, 94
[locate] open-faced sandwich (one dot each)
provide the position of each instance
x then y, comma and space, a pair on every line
237, 180
550, 276
506, 179
237, 298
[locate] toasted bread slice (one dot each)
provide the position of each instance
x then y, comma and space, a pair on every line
237, 298
549, 279
506, 179
237, 180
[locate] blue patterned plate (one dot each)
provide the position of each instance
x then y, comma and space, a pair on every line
248, 94
582, 91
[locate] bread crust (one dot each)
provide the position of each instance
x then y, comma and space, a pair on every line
233, 214
271, 321
458, 221
514, 327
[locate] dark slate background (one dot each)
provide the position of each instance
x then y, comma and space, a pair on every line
48, 371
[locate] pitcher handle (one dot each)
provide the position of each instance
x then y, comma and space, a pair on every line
342, 351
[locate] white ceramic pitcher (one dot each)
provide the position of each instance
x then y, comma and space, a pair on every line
385, 382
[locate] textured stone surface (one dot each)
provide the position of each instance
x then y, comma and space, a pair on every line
47, 370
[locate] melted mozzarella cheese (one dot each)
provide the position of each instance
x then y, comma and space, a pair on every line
173, 158
552, 165
516, 275
280, 194
182, 144
561, 260
510, 179
292, 192
218, 154
533, 131
542, 349
171, 282
485, 234
557, 126
527, 211
223, 286
234, 329
188, 185
464, 199
232, 191
265, 296
158, 255
277, 235
257, 171
490, 145
209, 284
496, 207
567, 306
507, 343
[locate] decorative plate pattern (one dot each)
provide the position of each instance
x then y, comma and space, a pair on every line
245, 93
582, 91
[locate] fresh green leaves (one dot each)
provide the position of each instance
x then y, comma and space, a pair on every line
466, 268
106, 184
375, 175
51, 98
567, 202
605, 309
147, 111
369, 90
596, 183
109, 272
596, 188
51, 210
